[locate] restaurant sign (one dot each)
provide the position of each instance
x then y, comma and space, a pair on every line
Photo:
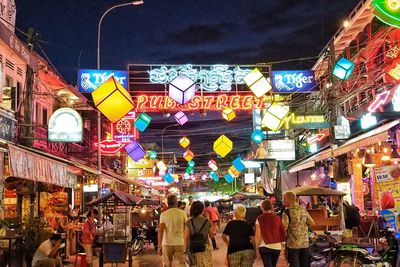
109, 147
65, 125
293, 81
315, 121
123, 130
90, 79
208, 102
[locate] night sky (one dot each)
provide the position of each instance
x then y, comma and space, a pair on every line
180, 32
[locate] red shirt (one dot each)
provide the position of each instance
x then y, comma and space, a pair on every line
88, 232
272, 229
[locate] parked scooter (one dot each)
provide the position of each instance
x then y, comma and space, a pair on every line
356, 255
322, 250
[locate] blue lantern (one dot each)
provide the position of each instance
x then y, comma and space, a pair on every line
257, 136
214, 176
153, 154
343, 68
238, 164
228, 178
168, 178
191, 163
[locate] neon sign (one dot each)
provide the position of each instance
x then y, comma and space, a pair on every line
293, 81
65, 125
380, 100
217, 77
368, 120
123, 130
109, 146
394, 70
388, 11
90, 79
396, 99
208, 102
294, 121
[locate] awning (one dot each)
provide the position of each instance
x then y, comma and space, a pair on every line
379, 134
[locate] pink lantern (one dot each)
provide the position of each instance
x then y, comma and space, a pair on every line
181, 118
213, 165
182, 89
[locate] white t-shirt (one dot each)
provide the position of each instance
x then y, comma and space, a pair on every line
276, 246
187, 209
42, 253
174, 220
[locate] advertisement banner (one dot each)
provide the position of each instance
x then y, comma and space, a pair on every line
90, 79
387, 180
293, 81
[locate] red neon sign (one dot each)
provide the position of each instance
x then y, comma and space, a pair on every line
123, 130
208, 102
379, 100
109, 146
318, 137
393, 70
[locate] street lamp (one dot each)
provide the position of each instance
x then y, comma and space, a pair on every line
162, 138
134, 3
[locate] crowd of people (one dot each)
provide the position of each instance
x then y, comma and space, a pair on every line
187, 233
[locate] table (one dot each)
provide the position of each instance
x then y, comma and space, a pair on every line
9, 239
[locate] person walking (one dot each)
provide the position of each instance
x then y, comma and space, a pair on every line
187, 207
88, 236
199, 250
297, 221
213, 217
171, 234
270, 233
217, 218
239, 235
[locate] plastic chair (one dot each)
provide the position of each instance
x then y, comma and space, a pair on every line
82, 261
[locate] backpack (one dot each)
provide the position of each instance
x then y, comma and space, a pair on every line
197, 242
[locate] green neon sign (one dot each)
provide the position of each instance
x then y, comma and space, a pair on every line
388, 11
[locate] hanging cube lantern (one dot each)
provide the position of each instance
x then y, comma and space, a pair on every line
191, 163
228, 114
257, 83
188, 155
111, 99
184, 142
213, 165
343, 68
257, 136
232, 171
238, 164
275, 116
135, 151
181, 118
168, 178
153, 154
214, 176
228, 178
182, 89
186, 176
222, 146
142, 122
161, 166
189, 170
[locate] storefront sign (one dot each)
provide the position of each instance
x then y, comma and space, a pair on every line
293, 81
393, 70
396, 99
294, 121
65, 125
123, 130
210, 78
279, 149
90, 188
208, 102
388, 11
109, 146
368, 120
90, 79
8, 128
342, 132
142, 168
393, 52
387, 180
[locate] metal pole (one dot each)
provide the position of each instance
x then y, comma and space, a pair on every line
162, 138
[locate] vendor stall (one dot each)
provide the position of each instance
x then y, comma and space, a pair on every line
114, 242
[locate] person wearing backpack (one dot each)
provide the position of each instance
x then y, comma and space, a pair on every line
239, 235
197, 231
270, 234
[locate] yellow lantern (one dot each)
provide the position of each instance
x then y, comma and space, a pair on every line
112, 99
257, 83
223, 145
184, 142
233, 171
188, 155
274, 117
228, 114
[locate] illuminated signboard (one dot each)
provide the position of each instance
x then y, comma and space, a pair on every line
280, 149
90, 79
294, 121
396, 99
141, 168
393, 70
109, 146
213, 78
293, 81
388, 11
368, 120
123, 130
65, 125
208, 102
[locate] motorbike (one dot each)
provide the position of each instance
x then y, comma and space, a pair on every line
355, 255
142, 236
322, 250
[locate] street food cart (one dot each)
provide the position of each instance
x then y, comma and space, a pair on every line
114, 243
323, 222
251, 202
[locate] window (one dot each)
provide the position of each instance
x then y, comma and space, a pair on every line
44, 116
37, 112
7, 94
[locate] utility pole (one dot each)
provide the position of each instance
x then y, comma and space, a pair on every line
27, 137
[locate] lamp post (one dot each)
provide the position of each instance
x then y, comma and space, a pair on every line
134, 3
162, 137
